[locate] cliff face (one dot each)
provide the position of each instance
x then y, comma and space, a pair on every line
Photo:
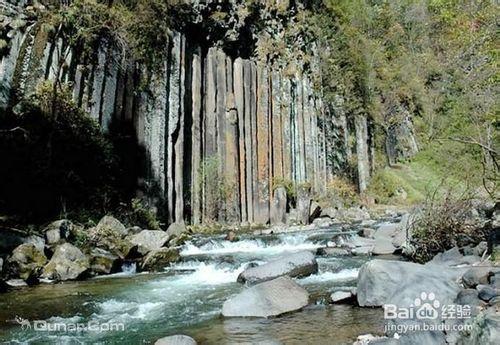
218, 126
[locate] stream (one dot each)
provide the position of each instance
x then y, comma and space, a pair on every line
187, 298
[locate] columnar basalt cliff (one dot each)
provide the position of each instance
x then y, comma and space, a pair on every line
219, 126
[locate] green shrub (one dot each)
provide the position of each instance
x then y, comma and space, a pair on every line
442, 224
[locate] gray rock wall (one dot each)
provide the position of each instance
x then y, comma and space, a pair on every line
257, 124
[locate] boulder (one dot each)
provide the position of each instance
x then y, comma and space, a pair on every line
158, 259
278, 206
176, 340
485, 329
486, 293
267, 299
477, 275
26, 261
103, 262
329, 212
367, 232
67, 263
480, 248
314, 210
176, 229
323, 222
134, 230
332, 251
453, 257
57, 232
294, 265
148, 240
395, 282
231, 236
37, 241
341, 296
361, 251
383, 239
109, 224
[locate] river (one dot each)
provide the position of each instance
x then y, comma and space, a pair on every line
187, 298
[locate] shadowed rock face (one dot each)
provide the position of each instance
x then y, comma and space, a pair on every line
255, 122
293, 265
271, 298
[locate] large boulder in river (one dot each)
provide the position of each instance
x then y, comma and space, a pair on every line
293, 265
157, 260
278, 206
179, 339
26, 261
400, 283
67, 263
271, 298
103, 262
148, 240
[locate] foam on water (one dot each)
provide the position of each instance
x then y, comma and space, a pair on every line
283, 243
343, 275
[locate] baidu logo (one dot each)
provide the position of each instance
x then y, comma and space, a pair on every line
428, 306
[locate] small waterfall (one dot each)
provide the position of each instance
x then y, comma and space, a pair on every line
129, 268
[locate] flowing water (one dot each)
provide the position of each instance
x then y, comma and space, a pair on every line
187, 298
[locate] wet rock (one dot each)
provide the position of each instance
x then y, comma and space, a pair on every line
176, 229
486, 293
67, 263
109, 235
176, 340
395, 282
341, 296
361, 251
476, 275
267, 299
16, 283
26, 261
332, 251
148, 240
57, 232
278, 206
157, 260
231, 236
294, 265
103, 262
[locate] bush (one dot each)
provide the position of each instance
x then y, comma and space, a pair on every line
444, 224
54, 158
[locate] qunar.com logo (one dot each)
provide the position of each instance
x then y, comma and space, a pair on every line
427, 307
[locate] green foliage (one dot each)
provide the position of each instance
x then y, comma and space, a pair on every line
54, 157
214, 188
432, 59
142, 215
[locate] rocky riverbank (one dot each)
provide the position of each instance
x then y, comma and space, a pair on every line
280, 278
